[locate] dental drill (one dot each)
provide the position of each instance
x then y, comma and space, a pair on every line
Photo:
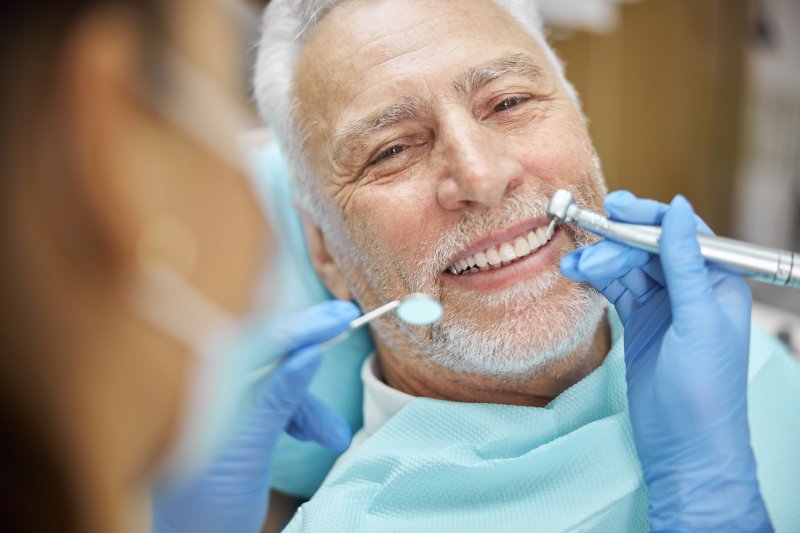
779, 267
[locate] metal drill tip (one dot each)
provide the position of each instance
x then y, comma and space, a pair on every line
552, 227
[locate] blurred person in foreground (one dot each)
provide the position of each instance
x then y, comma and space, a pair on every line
132, 254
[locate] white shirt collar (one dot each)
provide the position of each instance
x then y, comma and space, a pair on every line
381, 402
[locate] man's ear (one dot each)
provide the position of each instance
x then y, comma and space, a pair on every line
323, 262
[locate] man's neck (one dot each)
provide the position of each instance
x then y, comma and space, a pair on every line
432, 380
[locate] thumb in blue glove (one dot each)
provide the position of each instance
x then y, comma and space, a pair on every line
232, 494
686, 351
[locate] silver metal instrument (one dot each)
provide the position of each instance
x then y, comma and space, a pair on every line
417, 309
770, 265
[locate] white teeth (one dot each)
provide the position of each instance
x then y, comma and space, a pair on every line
493, 257
504, 254
533, 240
507, 253
521, 247
550, 231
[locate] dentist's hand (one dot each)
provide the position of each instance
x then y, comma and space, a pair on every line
687, 332
232, 494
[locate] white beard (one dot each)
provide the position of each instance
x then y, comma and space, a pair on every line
521, 345
537, 328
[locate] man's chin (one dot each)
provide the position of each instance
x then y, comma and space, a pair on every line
511, 340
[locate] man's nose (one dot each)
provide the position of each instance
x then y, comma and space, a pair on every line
478, 167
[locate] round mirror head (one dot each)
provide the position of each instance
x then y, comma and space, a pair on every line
419, 309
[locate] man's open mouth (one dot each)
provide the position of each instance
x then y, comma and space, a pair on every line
503, 254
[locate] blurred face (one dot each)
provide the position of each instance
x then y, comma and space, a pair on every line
199, 216
128, 156
440, 131
203, 109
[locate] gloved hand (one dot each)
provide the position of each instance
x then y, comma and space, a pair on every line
232, 494
687, 332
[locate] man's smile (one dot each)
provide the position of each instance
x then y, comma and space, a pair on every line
506, 257
500, 251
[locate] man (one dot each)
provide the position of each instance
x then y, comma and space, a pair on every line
426, 139
472, 199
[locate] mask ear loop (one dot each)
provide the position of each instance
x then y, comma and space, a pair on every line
163, 297
214, 119
171, 305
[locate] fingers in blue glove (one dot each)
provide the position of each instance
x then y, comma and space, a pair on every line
624, 206
315, 420
604, 261
286, 387
684, 267
624, 287
314, 325
607, 259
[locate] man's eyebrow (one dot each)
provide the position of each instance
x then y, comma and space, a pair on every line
356, 131
480, 76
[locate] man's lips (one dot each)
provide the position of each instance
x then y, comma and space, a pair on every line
515, 271
502, 248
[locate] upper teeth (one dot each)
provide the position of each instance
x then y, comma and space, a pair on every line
504, 253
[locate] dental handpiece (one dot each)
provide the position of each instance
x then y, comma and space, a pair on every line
770, 265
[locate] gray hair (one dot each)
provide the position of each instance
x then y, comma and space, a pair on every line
286, 26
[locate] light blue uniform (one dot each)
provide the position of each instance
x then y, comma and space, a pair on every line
445, 466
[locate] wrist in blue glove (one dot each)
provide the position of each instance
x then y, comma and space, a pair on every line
687, 332
232, 494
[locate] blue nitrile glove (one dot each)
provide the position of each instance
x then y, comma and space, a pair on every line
232, 494
687, 332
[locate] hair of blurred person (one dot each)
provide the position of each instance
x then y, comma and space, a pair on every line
89, 392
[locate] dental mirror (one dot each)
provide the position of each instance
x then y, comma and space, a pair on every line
417, 309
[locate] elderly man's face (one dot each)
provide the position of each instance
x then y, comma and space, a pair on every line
440, 130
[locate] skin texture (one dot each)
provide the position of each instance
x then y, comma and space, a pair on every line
101, 179
455, 167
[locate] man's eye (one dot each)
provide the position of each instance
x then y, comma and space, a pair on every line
508, 103
390, 152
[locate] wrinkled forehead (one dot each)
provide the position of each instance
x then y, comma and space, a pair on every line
368, 53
